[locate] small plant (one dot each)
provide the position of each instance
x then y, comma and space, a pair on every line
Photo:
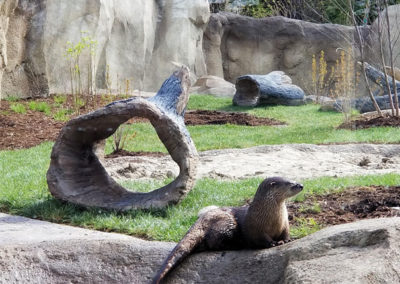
12, 99
40, 106
120, 137
18, 108
87, 46
62, 114
60, 99
319, 72
314, 208
304, 227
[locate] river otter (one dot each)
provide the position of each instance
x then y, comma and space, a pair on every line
262, 224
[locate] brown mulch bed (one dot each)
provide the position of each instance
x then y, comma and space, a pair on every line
25, 130
19, 131
350, 205
367, 122
203, 117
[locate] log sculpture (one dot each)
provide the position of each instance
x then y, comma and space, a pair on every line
76, 174
365, 104
275, 88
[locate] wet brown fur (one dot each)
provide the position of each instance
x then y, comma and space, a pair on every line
262, 224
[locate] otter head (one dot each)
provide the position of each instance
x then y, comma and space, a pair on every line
278, 188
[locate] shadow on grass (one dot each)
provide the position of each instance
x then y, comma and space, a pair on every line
59, 211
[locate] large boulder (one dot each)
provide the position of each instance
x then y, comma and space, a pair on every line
213, 85
40, 252
136, 40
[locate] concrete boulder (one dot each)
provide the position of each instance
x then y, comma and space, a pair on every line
213, 85
275, 88
39, 252
136, 40
235, 45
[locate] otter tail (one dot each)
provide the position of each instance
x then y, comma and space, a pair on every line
192, 240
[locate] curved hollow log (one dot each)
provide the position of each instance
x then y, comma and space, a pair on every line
76, 174
275, 88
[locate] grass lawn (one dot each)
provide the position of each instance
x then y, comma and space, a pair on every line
23, 187
305, 124
23, 191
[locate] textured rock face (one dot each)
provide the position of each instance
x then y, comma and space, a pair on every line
236, 45
136, 40
39, 252
213, 85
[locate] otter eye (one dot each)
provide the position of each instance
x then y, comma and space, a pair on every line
272, 183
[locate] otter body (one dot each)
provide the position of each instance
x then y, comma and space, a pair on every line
262, 224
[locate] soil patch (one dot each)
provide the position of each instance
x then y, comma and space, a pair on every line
367, 122
26, 130
124, 153
204, 117
348, 206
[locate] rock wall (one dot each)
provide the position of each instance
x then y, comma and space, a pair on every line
236, 45
136, 40
143, 40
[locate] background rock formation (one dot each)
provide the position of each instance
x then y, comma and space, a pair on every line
136, 39
140, 39
364, 252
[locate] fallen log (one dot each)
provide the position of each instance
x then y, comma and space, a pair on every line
76, 174
275, 88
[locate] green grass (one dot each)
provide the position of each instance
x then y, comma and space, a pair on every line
18, 108
40, 106
62, 114
23, 187
23, 191
305, 124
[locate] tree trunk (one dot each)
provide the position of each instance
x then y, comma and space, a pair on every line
76, 174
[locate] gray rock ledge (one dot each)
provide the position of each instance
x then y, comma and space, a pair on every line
33, 251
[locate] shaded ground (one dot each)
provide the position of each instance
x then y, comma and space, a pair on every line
348, 206
367, 122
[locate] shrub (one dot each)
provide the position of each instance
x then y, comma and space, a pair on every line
18, 108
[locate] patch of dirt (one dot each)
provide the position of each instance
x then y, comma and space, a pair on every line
367, 122
26, 130
348, 206
124, 153
203, 117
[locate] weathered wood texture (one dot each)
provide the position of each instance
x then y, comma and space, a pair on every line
378, 77
275, 88
76, 174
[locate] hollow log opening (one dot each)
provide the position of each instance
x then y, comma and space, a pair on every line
76, 174
247, 92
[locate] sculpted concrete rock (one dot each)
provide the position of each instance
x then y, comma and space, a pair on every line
136, 40
76, 174
41, 252
235, 45
275, 88
213, 85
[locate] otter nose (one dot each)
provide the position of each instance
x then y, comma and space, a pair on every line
298, 186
